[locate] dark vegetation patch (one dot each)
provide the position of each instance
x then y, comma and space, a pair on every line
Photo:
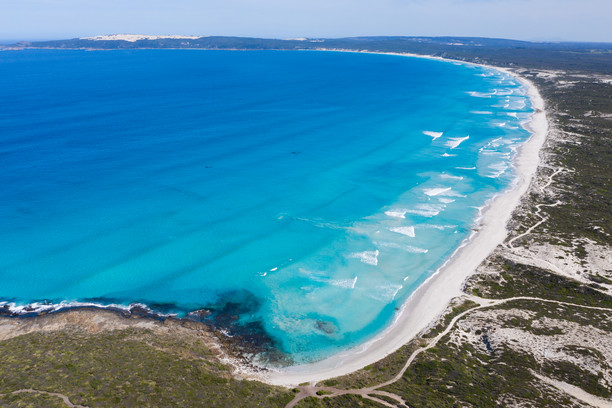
342, 401
31, 400
585, 352
516, 279
128, 368
388, 399
376, 373
600, 319
572, 374
527, 325
450, 315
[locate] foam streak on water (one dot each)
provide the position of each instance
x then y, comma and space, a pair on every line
297, 191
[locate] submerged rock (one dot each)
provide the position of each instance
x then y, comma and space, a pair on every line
326, 327
200, 314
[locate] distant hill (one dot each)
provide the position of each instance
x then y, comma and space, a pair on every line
502, 52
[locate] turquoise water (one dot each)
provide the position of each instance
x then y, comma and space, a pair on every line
299, 196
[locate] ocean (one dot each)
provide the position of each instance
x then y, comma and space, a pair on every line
294, 197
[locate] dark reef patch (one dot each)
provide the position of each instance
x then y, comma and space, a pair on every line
235, 316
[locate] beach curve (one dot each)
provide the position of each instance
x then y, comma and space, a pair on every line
431, 298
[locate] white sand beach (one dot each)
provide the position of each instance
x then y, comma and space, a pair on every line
429, 301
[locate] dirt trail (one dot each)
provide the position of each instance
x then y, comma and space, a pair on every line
543, 218
576, 392
53, 394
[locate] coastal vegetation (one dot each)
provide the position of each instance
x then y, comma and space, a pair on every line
122, 368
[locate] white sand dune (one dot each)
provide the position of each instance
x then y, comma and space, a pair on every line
138, 37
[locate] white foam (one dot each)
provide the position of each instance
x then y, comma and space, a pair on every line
454, 142
407, 248
397, 213
398, 288
436, 191
450, 177
465, 168
489, 152
513, 114
495, 143
506, 92
447, 191
424, 212
486, 152
445, 200
500, 124
384, 293
344, 283
367, 257
408, 231
434, 135
438, 227
517, 104
39, 308
481, 112
480, 94
448, 155
497, 169
427, 210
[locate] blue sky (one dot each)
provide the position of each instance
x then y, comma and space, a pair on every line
573, 20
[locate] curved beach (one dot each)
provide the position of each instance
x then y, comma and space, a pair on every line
413, 315
430, 300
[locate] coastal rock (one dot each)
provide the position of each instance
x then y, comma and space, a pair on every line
200, 314
141, 311
6, 311
326, 327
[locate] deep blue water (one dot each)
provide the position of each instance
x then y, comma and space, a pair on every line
295, 189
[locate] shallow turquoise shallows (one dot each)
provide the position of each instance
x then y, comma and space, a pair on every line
300, 196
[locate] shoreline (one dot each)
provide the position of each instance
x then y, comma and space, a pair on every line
429, 301
432, 297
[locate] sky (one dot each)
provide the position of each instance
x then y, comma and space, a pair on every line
534, 20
